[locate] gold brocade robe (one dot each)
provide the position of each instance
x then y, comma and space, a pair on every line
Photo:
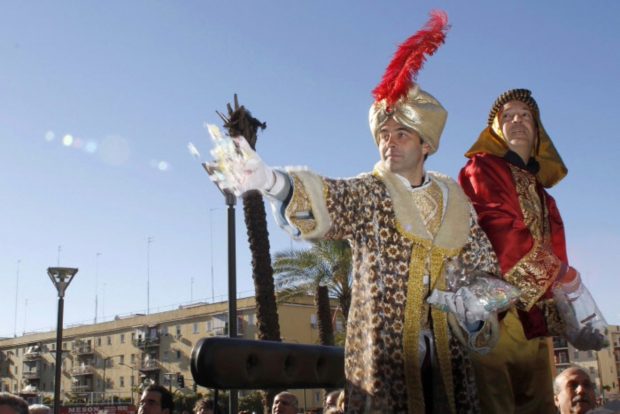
398, 254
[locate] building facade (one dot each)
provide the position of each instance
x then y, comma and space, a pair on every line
109, 361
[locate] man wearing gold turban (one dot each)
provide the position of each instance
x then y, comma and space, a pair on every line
509, 167
404, 224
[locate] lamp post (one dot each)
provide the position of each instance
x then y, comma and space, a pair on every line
230, 200
131, 381
61, 277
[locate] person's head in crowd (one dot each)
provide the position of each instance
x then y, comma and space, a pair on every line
573, 391
156, 399
12, 404
205, 406
285, 403
39, 409
331, 399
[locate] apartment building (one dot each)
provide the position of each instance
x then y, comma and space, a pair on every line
110, 360
603, 366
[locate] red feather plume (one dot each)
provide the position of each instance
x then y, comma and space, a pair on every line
409, 58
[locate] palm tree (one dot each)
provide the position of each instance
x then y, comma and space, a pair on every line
326, 263
240, 122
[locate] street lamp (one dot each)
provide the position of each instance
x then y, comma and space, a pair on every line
131, 385
60, 277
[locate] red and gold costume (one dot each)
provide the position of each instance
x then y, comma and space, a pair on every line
525, 228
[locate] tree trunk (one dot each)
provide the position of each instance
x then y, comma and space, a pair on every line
241, 123
324, 316
262, 272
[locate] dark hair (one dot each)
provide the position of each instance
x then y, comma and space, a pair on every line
166, 396
18, 404
205, 404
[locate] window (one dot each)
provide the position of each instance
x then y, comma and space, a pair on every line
195, 328
251, 319
98, 341
121, 359
165, 356
109, 340
576, 355
339, 325
122, 338
209, 325
313, 320
121, 381
590, 354
64, 346
178, 330
178, 354
592, 371
164, 330
133, 358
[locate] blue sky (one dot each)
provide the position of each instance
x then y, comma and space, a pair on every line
133, 82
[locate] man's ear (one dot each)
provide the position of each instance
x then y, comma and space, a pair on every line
425, 148
556, 401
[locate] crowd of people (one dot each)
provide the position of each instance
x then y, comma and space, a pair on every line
573, 393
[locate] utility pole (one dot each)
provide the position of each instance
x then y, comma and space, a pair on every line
96, 284
211, 245
16, 298
149, 240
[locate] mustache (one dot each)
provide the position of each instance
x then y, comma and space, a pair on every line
580, 398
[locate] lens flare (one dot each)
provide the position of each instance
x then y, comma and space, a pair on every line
90, 147
49, 136
163, 166
67, 140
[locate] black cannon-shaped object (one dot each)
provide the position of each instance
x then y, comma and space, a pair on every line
232, 363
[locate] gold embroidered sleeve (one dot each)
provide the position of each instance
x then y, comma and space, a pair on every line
534, 274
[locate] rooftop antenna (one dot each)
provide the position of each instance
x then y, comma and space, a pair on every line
96, 283
25, 314
16, 297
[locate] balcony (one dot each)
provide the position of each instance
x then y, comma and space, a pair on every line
150, 342
33, 355
150, 366
83, 370
83, 350
559, 342
34, 374
77, 388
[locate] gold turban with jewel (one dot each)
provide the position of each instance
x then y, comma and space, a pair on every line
398, 97
418, 110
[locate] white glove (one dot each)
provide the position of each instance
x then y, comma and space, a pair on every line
586, 328
237, 166
588, 339
469, 311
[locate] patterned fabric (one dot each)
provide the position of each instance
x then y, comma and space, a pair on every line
393, 256
430, 204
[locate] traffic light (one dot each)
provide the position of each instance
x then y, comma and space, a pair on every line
180, 381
